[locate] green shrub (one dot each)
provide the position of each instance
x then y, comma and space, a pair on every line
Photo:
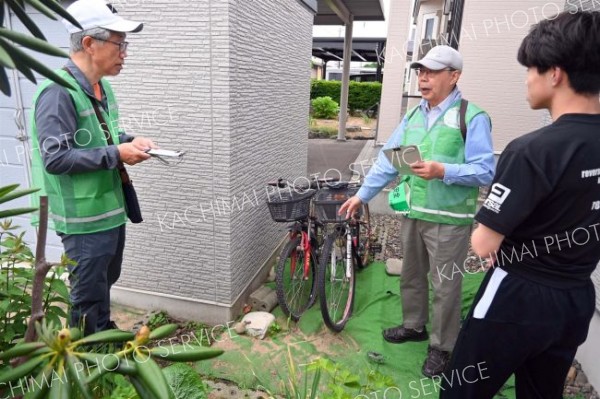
325, 88
158, 319
361, 96
17, 271
325, 108
56, 360
185, 382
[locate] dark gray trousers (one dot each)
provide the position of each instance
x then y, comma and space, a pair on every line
99, 257
437, 250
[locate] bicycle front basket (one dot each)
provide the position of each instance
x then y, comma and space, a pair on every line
289, 206
328, 203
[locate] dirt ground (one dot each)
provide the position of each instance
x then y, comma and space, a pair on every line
367, 128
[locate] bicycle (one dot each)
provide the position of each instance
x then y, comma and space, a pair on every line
346, 248
296, 271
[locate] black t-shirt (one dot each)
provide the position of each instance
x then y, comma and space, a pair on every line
545, 200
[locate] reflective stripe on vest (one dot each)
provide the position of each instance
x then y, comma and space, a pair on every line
86, 219
443, 213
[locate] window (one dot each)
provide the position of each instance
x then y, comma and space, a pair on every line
429, 29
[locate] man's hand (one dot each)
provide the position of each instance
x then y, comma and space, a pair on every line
130, 154
350, 207
428, 170
143, 143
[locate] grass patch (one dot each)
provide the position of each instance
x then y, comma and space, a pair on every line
323, 132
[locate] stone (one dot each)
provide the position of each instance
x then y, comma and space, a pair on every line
393, 267
581, 379
239, 327
258, 323
353, 128
263, 299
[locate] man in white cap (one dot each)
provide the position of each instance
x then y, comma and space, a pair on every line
454, 139
79, 156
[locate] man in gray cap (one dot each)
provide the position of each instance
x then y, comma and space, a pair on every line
454, 139
79, 156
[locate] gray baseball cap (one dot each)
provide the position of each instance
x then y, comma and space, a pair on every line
440, 57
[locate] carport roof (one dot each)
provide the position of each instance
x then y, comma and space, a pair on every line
362, 10
363, 49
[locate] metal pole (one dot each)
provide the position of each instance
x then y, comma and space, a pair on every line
377, 127
345, 79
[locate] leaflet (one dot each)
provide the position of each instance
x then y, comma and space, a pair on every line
402, 157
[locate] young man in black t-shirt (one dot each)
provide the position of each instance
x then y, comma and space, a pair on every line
540, 225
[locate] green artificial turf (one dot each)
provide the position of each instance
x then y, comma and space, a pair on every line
250, 363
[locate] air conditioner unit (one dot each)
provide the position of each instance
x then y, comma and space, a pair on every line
448, 4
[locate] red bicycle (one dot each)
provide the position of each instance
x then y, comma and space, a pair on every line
296, 271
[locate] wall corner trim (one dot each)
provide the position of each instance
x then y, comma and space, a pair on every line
310, 4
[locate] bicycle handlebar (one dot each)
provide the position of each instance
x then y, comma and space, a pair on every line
314, 183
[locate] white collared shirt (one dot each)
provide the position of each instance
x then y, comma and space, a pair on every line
434, 113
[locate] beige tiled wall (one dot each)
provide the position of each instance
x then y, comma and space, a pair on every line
395, 61
490, 37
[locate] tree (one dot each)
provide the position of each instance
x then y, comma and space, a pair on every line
12, 57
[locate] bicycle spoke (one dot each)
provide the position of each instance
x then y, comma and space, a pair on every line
336, 287
295, 293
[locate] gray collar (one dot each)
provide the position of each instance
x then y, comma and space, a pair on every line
83, 82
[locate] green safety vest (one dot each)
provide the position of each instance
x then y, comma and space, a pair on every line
433, 200
87, 202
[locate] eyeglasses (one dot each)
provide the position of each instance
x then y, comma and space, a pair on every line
122, 45
423, 71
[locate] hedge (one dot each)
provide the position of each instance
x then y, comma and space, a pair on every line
362, 95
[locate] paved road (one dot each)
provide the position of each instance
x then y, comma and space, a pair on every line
326, 154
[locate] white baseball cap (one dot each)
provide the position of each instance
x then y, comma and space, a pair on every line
440, 57
98, 14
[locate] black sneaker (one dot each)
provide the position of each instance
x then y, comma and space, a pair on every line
400, 334
436, 362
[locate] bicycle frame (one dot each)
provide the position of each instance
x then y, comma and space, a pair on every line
305, 244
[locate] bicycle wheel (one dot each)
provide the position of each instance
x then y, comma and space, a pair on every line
336, 287
295, 293
362, 249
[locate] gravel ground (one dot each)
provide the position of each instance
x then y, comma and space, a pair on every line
388, 228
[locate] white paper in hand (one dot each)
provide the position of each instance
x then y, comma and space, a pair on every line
164, 153
402, 157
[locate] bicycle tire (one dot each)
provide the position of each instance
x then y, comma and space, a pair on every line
330, 303
362, 254
294, 303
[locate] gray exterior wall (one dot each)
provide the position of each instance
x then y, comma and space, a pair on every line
198, 78
269, 120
